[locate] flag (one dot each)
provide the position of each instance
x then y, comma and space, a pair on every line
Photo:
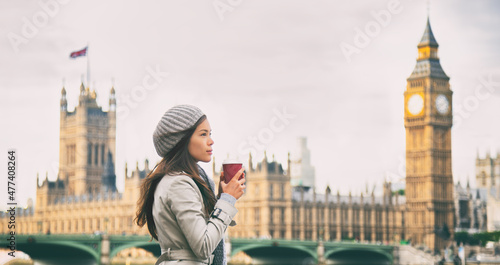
82, 52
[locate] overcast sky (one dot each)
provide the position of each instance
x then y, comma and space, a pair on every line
262, 71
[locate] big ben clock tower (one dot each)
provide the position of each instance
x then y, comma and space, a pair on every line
428, 121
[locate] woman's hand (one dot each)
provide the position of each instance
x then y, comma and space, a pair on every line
235, 187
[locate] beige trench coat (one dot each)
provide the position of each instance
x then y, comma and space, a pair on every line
181, 222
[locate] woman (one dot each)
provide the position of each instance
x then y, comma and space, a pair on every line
177, 201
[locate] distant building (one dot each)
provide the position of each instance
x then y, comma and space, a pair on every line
470, 209
302, 172
488, 180
488, 171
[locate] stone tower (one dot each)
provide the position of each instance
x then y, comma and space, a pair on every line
488, 171
428, 121
87, 144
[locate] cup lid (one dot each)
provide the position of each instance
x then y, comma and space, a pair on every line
231, 161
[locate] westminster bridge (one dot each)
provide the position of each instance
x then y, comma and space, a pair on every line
100, 249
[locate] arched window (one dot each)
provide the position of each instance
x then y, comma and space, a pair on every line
96, 158
271, 215
102, 154
282, 216
73, 154
89, 154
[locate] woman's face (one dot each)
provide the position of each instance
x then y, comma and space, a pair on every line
200, 144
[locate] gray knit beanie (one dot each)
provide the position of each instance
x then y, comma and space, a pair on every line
172, 126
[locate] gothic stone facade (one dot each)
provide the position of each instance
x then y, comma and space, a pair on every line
272, 208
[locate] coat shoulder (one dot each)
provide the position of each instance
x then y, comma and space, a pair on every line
177, 177
171, 183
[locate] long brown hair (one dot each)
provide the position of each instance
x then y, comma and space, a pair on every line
176, 160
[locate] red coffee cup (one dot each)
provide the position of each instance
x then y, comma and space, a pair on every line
230, 168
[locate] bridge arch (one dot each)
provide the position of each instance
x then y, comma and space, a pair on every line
149, 246
272, 252
341, 252
40, 249
247, 247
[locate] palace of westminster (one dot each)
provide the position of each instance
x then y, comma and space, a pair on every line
281, 203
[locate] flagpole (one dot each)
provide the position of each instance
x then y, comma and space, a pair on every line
88, 66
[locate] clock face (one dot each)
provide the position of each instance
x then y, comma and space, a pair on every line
415, 104
442, 104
